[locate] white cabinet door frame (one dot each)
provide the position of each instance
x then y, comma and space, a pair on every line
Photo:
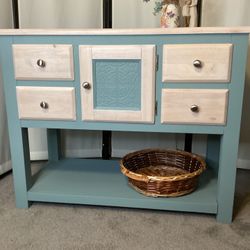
144, 53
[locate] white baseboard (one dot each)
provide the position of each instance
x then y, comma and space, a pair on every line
81, 153
43, 155
119, 153
39, 156
244, 164
4, 167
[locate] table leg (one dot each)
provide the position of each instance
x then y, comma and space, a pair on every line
20, 157
54, 145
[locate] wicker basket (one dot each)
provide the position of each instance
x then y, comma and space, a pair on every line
162, 173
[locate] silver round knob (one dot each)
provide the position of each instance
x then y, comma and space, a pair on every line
41, 63
86, 85
197, 64
44, 105
194, 108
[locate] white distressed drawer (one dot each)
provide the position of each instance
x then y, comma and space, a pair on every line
46, 103
197, 63
43, 62
211, 104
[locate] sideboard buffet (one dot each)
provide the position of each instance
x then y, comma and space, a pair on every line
152, 80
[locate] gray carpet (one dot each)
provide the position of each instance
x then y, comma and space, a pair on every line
59, 226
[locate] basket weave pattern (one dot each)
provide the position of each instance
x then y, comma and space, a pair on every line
165, 173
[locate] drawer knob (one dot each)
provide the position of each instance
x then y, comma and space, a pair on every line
197, 64
41, 63
194, 108
86, 85
44, 105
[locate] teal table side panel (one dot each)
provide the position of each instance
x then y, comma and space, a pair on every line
159, 41
230, 139
18, 136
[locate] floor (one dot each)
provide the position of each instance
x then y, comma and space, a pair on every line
59, 226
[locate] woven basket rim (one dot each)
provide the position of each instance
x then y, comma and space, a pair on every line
147, 178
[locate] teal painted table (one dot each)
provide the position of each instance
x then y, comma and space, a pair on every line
169, 81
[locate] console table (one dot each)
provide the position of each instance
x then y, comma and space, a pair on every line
154, 80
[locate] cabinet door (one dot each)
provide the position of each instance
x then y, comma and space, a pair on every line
118, 83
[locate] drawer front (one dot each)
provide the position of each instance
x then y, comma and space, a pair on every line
46, 103
197, 63
43, 62
195, 106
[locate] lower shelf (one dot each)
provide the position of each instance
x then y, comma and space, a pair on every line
100, 182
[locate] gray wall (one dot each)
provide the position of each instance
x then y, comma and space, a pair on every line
5, 163
234, 13
60, 13
5, 14
134, 14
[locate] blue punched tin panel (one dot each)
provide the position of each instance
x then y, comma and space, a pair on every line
117, 84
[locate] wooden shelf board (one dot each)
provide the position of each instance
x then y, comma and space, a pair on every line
100, 182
